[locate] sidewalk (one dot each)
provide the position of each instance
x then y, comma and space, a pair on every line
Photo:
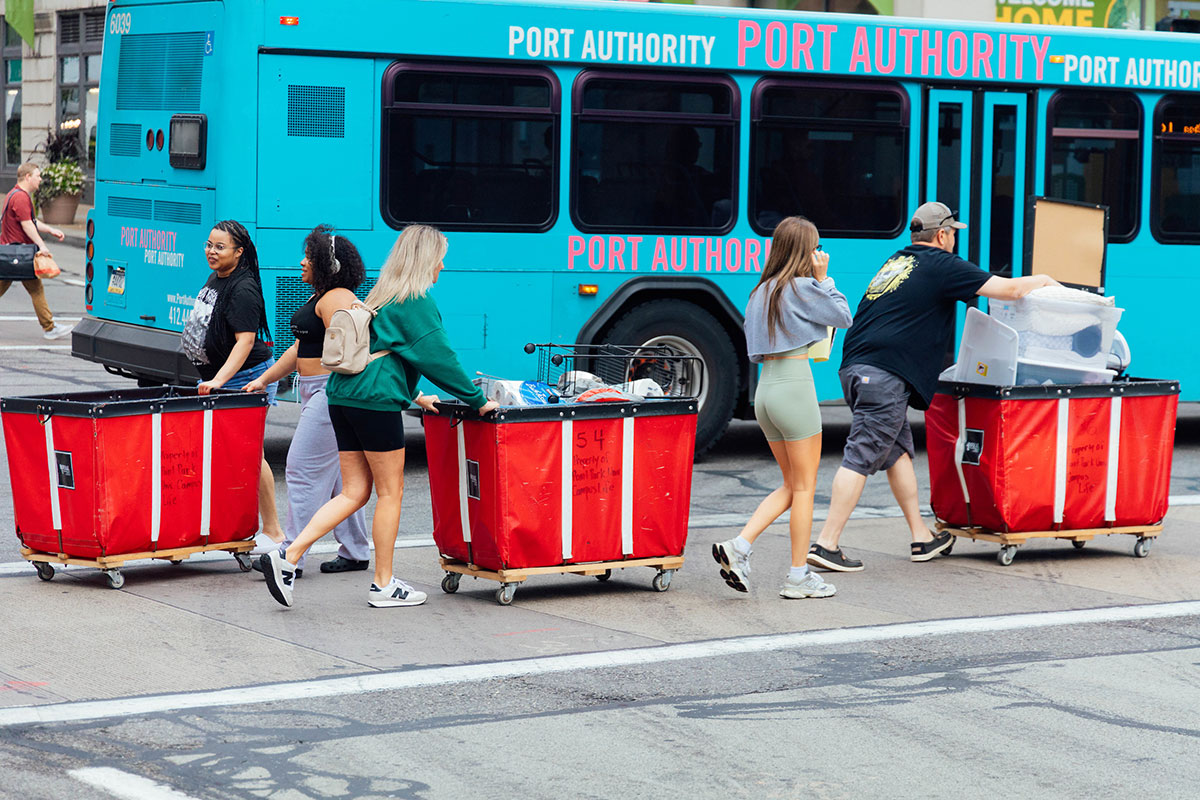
76, 233
206, 625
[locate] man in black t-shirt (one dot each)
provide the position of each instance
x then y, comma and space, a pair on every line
891, 359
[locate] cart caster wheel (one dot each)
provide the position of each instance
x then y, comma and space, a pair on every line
1141, 548
1006, 555
175, 562
662, 581
450, 582
1077, 544
602, 577
244, 561
115, 579
504, 595
45, 571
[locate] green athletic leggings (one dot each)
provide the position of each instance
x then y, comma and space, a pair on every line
785, 403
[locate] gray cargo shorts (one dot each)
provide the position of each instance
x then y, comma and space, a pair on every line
879, 429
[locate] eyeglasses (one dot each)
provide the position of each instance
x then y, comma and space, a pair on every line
216, 248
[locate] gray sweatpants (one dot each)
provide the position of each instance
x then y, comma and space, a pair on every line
314, 475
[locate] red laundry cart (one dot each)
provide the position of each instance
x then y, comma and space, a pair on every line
573, 487
100, 478
1012, 463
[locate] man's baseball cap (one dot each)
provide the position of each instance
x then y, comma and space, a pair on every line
931, 216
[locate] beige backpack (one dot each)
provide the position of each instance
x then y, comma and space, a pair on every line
347, 347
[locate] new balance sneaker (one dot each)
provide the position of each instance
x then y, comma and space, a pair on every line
280, 575
924, 551
58, 331
396, 593
835, 560
735, 567
811, 585
257, 566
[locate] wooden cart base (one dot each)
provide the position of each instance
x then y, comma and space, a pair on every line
601, 570
110, 565
1010, 541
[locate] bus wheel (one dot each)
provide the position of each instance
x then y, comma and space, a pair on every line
692, 331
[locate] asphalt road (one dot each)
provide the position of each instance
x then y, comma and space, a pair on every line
1068, 674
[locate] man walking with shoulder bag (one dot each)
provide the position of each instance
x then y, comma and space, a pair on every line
19, 226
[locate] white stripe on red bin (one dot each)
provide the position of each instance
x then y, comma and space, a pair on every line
405, 679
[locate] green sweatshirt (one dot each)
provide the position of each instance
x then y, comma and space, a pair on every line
413, 332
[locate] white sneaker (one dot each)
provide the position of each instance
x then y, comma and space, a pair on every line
735, 567
264, 544
280, 575
811, 585
396, 593
58, 331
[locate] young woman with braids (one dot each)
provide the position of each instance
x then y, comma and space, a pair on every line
789, 311
334, 269
227, 338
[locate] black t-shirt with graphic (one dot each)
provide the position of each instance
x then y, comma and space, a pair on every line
208, 345
905, 320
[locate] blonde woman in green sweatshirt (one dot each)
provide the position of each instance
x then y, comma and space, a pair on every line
365, 410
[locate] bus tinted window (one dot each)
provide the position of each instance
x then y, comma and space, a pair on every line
1095, 141
654, 154
466, 150
835, 154
1176, 190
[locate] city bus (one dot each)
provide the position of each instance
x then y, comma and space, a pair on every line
612, 172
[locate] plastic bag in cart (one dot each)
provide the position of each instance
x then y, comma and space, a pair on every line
522, 393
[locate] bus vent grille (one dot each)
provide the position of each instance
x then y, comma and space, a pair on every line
130, 207
160, 72
124, 139
170, 211
317, 111
290, 294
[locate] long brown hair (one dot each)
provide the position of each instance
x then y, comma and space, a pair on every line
792, 246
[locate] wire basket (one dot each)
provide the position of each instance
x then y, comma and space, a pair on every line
574, 368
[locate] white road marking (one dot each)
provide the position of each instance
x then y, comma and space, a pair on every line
35, 347
400, 680
32, 318
126, 785
24, 568
73, 282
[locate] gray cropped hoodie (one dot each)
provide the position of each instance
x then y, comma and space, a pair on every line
807, 311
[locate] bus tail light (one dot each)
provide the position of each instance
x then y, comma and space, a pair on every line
289, 20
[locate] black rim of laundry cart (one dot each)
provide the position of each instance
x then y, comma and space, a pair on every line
131, 402
1126, 387
558, 412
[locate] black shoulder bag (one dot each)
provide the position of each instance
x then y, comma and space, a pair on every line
16, 260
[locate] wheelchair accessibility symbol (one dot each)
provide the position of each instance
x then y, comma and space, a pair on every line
208, 43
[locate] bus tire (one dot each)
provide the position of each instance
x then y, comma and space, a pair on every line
691, 329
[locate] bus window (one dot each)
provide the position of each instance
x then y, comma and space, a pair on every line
1095, 138
654, 152
1004, 177
1175, 195
835, 153
469, 148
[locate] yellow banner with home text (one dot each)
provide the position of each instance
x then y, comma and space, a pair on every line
1080, 13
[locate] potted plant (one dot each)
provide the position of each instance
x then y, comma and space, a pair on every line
62, 179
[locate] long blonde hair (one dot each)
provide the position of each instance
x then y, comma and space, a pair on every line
410, 267
792, 246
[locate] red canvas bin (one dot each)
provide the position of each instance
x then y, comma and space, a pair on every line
1042, 458
561, 484
105, 473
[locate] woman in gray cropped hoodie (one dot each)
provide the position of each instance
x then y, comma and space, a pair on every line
791, 309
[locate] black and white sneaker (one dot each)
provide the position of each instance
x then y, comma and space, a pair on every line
396, 593
835, 560
924, 551
280, 575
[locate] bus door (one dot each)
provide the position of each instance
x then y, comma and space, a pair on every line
976, 160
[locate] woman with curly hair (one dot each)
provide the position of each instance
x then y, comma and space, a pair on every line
334, 269
226, 335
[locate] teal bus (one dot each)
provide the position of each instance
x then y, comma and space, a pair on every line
612, 172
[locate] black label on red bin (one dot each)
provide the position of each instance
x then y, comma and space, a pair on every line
473, 480
66, 474
973, 447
